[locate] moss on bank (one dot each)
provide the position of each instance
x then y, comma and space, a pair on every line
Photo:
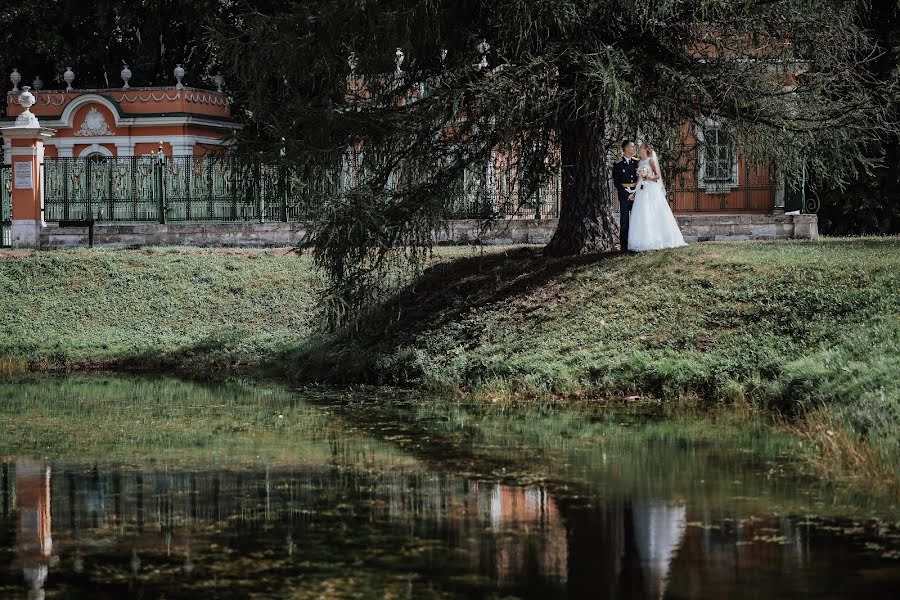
811, 329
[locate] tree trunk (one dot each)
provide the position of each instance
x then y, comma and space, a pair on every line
586, 222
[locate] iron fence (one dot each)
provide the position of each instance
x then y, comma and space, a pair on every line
242, 188
750, 188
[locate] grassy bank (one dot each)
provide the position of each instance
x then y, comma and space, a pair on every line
184, 311
810, 329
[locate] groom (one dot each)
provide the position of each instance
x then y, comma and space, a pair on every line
625, 178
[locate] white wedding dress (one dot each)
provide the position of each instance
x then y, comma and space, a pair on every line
653, 226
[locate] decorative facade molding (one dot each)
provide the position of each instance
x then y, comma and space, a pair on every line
213, 99
94, 124
67, 118
95, 149
42, 98
138, 97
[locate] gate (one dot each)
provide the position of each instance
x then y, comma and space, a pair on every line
5, 204
102, 188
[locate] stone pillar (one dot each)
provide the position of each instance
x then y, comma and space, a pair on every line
26, 157
778, 209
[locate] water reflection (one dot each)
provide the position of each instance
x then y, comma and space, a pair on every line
338, 512
34, 541
658, 533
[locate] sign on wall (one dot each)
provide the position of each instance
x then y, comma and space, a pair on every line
22, 175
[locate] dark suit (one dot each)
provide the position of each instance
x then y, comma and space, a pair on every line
625, 174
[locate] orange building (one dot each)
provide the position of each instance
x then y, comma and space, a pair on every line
129, 121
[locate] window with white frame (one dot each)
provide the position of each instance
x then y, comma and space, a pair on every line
718, 164
719, 156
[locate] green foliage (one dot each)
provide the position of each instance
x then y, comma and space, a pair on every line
97, 38
870, 203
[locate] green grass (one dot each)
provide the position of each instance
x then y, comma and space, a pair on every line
810, 329
160, 309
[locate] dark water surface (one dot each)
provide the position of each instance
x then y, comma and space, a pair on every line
120, 487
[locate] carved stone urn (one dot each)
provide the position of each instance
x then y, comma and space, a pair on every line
126, 76
37, 85
219, 82
15, 78
69, 77
179, 75
26, 101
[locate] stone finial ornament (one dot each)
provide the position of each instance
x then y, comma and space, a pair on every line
15, 78
37, 85
443, 55
399, 57
69, 77
179, 75
219, 82
126, 77
26, 101
353, 62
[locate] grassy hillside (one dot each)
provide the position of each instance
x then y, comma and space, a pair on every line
811, 329
162, 309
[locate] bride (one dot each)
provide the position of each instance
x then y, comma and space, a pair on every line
653, 225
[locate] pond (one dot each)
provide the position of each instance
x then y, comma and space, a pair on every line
114, 487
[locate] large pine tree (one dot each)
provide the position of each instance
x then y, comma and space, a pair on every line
555, 83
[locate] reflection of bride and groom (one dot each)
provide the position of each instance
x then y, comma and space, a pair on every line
615, 549
624, 549
646, 221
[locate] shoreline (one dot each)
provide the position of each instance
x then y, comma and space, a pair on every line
802, 333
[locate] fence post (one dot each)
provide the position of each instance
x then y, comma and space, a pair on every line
66, 167
260, 189
283, 188
26, 158
160, 184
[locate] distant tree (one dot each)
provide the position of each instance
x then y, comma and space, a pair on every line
870, 202
559, 82
97, 38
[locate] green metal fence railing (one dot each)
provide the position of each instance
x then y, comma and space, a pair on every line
242, 188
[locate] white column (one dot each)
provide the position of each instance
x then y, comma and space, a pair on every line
65, 149
778, 209
183, 147
125, 149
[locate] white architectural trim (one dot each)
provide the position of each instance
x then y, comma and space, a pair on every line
714, 187
125, 144
95, 149
67, 119
137, 121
